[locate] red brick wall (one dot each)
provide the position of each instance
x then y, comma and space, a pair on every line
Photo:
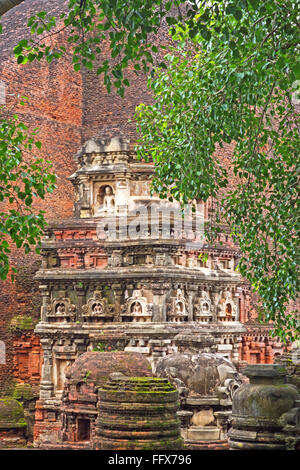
27, 358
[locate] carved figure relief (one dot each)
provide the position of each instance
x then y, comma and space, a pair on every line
61, 309
137, 308
97, 309
161, 259
116, 260
105, 200
227, 310
203, 308
177, 310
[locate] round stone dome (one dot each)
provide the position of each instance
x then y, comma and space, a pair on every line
197, 375
95, 367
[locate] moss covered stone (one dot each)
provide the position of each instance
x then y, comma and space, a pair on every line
263, 412
23, 392
22, 322
11, 414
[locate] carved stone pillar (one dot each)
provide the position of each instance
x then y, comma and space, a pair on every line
236, 348
159, 296
192, 292
215, 294
45, 292
81, 292
158, 348
80, 258
81, 345
46, 387
86, 193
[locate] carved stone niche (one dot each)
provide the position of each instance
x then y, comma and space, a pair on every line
137, 308
104, 199
177, 310
115, 259
61, 309
64, 354
97, 309
203, 308
227, 309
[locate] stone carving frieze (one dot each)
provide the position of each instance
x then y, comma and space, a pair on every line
109, 158
61, 309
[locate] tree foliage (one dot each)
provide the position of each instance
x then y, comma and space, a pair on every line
236, 87
21, 181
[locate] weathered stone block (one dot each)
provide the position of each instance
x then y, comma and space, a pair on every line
203, 433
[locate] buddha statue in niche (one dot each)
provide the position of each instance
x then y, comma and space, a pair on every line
136, 308
179, 308
60, 308
105, 200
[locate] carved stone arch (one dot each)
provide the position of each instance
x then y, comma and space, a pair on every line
203, 311
61, 309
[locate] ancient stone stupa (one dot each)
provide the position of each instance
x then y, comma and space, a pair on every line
126, 273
